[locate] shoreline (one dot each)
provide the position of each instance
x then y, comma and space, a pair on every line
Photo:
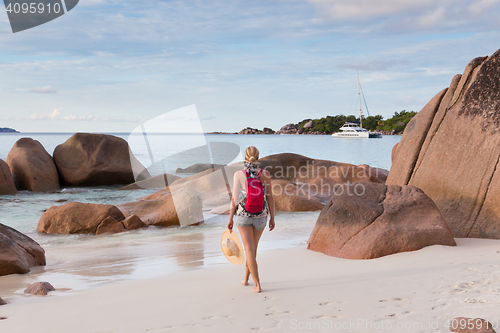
301, 289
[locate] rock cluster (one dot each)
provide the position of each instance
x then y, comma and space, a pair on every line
85, 218
18, 252
369, 220
288, 129
299, 183
166, 208
250, 130
83, 160
451, 150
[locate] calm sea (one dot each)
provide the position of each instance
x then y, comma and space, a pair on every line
78, 262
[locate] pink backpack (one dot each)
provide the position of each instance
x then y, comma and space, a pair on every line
255, 194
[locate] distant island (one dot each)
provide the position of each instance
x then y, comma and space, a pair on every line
7, 130
331, 124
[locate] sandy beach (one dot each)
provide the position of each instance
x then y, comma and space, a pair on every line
302, 290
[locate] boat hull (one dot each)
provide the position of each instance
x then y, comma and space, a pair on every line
351, 135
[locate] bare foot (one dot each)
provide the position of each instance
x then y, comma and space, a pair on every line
244, 282
257, 289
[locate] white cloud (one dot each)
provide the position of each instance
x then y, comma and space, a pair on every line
397, 15
88, 117
359, 9
46, 116
44, 90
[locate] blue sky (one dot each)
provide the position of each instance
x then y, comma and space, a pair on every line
108, 66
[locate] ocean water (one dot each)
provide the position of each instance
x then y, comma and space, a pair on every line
78, 262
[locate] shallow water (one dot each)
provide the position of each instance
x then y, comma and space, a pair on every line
78, 262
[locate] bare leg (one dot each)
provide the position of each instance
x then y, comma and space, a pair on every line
247, 235
256, 237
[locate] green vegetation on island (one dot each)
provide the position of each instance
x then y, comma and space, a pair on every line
331, 124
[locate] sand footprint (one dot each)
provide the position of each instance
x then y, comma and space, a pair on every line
277, 313
473, 300
399, 315
324, 316
215, 317
396, 299
440, 306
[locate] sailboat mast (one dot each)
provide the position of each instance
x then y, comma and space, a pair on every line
359, 95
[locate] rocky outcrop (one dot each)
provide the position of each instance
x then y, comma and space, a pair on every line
471, 325
299, 183
180, 207
310, 124
369, 220
18, 252
319, 176
451, 150
85, 218
267, 130
199, 167
39, 289
288, 129
250, 130
6, 181
97, 159
32, 168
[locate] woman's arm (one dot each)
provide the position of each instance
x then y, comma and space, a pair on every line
269, 195
235, 193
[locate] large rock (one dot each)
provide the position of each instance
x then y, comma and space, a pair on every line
451, 150
165, 208
7, 185
32, 168
97, 159
39, 289
369, 220
18, 252
84, 218
310, 124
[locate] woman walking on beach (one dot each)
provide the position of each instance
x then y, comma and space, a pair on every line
251, 225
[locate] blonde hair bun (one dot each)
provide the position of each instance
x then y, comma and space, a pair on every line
251, 154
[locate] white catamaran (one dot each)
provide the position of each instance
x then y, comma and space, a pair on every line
354, 129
